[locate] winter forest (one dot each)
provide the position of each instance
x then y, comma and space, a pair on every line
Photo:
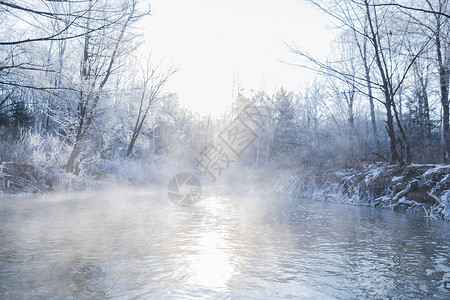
78, 95
328, 178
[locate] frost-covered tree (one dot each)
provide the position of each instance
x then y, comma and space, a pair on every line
100, 54
153, 81
285, 138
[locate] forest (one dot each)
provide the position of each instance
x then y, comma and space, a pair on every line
81, 101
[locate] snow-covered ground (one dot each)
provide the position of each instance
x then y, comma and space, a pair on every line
26, 178
418, 187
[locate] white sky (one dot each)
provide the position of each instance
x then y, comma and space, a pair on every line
211, 41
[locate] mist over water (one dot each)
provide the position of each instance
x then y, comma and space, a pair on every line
232, 244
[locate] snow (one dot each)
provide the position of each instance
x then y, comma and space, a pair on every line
397, 178
446, 204
437, 170
376, 186
373, 174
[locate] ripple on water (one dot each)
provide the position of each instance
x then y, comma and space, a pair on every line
139, 245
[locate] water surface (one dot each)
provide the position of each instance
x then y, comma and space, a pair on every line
137, 244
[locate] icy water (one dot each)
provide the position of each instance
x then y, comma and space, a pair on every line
138, 245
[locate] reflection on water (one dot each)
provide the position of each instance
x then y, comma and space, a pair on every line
139, 245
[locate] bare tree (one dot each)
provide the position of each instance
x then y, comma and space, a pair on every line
442, 42
153, 81
391, 65
435, 23
367, 63
101, 51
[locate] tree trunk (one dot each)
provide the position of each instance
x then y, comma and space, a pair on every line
363, 54
131, 145
71, 167
446, 130
391, 132
386, 87
405, 154
444, 73
373, 119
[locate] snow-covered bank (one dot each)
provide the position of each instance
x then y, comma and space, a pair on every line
422, 188
27, 178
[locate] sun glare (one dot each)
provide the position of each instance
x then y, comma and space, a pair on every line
213, 42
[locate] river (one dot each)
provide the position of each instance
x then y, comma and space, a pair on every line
136, 244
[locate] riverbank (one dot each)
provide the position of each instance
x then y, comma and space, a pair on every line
422, 188
18, 178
